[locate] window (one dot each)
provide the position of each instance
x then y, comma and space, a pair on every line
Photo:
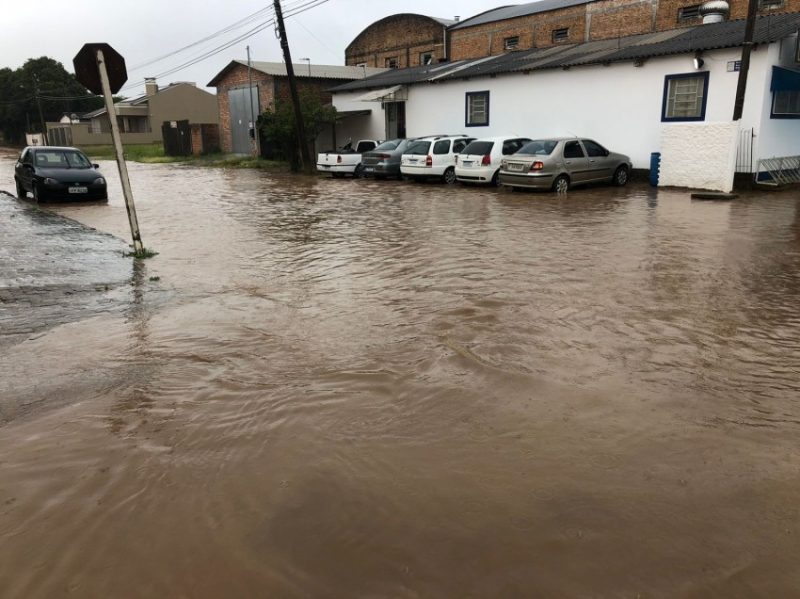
511, 146
361, 64
442, 147
561, 35
769, 4
539, 147
426, 57
685, 97
460, 144
572, 149
688, 13
391, 63
511, 43
594, 149
786, 104
477, 109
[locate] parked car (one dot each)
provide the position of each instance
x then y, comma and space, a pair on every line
433, 157
50, 172
384, 161
560, 163
345, 160
479, 162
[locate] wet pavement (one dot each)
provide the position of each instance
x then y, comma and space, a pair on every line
345, 388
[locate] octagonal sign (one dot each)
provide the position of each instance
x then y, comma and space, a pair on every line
87, 70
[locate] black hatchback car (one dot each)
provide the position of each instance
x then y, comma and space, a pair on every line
50, 172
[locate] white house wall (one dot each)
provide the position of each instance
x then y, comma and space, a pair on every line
372, 126
617, 105
777, 137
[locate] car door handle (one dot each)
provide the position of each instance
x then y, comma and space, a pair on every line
592, 161
568, 162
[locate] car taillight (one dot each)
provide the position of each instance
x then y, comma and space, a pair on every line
456, 159
383, 156
486, 160
537, 166
429, 160
338, 159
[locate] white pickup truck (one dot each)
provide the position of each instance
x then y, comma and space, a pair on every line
346, 160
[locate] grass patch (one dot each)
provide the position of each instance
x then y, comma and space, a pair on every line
143, 255
154, 154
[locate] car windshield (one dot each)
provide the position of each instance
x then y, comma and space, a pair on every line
419, 147
61, 159
539, 147
389, 145
479, 147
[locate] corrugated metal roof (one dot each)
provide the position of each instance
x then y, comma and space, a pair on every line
728, 34
315, 71
519, 10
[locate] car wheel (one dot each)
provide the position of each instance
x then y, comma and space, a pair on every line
359, 172
21, 193
449, 176
37, 195
561, 184
620, 176
496, 178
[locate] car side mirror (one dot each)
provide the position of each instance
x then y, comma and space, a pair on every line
98, 166
606, 153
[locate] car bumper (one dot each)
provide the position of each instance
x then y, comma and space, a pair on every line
533, 180
475, 174
381, 170
82, 192
421, 171
346, 169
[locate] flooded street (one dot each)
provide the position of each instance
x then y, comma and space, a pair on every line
337, 388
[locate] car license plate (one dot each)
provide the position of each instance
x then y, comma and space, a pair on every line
467, 163
516, 167
369, 169
78, 189
412, 160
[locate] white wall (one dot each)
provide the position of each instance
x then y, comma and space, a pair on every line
776, 137
359, 127
699, 155
618, 105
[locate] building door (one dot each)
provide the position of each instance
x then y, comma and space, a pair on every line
241, 106
395, 119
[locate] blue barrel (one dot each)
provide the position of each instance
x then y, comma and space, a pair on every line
655, 166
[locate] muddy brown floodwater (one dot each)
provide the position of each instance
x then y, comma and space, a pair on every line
377, 389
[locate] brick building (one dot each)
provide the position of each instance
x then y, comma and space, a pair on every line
553, 22
400, 41
269, 82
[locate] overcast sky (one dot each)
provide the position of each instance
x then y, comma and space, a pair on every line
144, 30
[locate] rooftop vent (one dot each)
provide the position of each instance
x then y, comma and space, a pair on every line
457, 18
714, 11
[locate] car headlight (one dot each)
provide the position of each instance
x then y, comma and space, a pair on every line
99, 181
50, 181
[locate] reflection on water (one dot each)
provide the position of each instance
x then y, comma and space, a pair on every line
361, 388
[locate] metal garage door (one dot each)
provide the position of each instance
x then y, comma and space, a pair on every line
240, 105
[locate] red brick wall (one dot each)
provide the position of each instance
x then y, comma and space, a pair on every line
602, 19
237, 78
400, 36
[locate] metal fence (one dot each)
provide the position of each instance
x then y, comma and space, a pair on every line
744, 151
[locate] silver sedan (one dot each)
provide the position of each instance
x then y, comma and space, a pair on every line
560, 163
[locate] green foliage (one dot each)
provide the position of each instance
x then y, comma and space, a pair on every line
48, 79
279, 129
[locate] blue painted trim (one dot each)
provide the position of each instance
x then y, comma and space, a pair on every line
679, 119
466, 108
774, 115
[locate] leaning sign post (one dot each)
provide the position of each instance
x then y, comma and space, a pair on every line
102, 70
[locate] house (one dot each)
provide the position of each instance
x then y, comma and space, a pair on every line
140, 119
400, 41
267, 81
670, 92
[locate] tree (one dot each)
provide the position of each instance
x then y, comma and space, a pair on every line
46, 79
278, 126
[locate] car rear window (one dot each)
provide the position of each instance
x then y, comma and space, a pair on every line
389, 145
479, 147
539, 147
61, 159
419, 147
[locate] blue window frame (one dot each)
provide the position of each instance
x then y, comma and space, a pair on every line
477, 109
685, 97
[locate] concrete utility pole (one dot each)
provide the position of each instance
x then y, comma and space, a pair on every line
138, 247
747, 46
253, 129
305, 156
41, 114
